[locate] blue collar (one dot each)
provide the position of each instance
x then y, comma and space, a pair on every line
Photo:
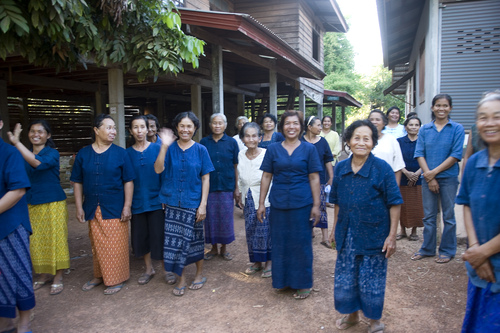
365, 169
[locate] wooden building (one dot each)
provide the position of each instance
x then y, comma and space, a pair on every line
257, 52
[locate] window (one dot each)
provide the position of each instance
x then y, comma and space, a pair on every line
315, 45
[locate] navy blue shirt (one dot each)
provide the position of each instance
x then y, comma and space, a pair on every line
276, 137
224, 155
480, 190
291, 188
436, 146
147, 182
13, 177
45, 182
364, 200
408, 151
103, 176
325, 156
181, 180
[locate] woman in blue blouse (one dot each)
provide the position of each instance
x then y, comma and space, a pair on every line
292, 166
147, 221
185, 168
412, 211
438, 151
313, 125
103, 183
268, 123
46, 204
223, 151
367, 204
15, 263
480, 195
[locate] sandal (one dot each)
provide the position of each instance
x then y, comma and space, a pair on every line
378, 328
90, 285
209, 256
56, 288
145, 278
413, 238
267, 273
179, 291
227, 256
170, 278
113, 289
39, 284
302, 294
344, 321
401, 236
198, 285
252, 270
441, 259
325, 244
418, 256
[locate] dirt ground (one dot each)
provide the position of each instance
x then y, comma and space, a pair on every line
421, 296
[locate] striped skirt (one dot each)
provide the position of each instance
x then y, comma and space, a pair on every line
49, 241
183, 244
109, 240
16, 280
219, 224
258, 234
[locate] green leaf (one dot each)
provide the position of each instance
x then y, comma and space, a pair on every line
5, 24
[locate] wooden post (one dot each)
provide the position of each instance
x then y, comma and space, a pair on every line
116, 103
343, 119
217, 80
196, 108
273, 92
320, 111
4, 110
302, 102
334, 117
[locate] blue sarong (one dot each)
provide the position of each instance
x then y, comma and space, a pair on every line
219, 224
482, 314
258, 234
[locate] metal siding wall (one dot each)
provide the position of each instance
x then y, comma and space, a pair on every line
470, 56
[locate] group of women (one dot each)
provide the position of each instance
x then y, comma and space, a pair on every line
199, 182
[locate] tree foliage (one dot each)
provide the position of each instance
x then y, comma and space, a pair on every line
64, 33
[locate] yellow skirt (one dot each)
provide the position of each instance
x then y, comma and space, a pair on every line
49, 241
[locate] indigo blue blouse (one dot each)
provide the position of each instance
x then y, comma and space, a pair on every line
364, 200
147, 182
291, 188
277, 137
224, 155
480, 190
408, 151
103, 176
181, 180
436, 146
325, 156
13, 177
45, 181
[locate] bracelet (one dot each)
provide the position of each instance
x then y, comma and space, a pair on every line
471, 245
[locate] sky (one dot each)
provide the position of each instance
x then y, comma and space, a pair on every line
364, 33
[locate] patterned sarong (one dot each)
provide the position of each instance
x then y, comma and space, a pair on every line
323, 220
49, 241
109, 240
183, 243
258, 234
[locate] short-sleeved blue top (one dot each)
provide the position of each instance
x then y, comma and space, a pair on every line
224, 155
45, 181
364, 200
277, 137
13, 177
181, 180
103, 176
408, 151
147, 182
480, 190
325, 156
291, 188
436, 146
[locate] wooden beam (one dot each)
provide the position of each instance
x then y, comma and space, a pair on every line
187, 79
217, 76
43, 81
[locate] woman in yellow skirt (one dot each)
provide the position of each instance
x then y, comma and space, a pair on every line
46, 204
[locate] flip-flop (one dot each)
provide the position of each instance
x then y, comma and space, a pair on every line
39, 284
252, 270
413, 238
145, 278
198, 285
378, 328
170, 278
89, 285
400, 236
325, 244
113, 289
56, 288
418, 256
227, 256
443, 259
209, 256
179, 291
302, 294
343, 321
267, 273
